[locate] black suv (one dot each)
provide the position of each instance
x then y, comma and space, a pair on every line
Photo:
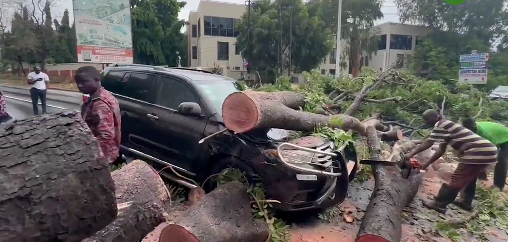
167, 111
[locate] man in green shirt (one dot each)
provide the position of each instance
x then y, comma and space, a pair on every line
497, 134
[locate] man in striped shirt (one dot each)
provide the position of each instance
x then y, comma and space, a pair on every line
475, 154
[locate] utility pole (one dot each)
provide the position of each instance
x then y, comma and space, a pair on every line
338, 45
290, 39
249, 2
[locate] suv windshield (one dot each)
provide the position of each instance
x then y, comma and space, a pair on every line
217, 91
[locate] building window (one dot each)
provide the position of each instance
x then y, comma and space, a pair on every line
194, 31
216, 26
237, 49
400, 42
222, 50
382, 42
199, 27
418, 40
399, 63
333, 55
323, 71
332, 72
194, 52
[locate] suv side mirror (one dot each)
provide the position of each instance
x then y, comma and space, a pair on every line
189, 109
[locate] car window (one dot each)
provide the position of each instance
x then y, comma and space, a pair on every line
140, 86
112, 81
217, 91
173, 92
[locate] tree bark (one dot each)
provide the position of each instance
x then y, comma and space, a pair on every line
224, 215
54, 186
142, 200
382, 221
247, 111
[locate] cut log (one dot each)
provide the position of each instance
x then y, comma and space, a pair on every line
54, 186
246, 111
382, 220
142, 200
223, 215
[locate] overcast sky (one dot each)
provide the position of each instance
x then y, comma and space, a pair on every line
389, 9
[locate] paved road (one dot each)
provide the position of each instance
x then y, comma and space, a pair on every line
19, 104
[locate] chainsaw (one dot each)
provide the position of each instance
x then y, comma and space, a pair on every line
406, 165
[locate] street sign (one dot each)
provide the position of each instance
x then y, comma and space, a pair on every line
474, 68
475, 64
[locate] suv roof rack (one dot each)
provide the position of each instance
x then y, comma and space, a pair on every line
192, 69
142, 65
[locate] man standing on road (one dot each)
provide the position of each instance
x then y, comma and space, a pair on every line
101, 112
475, 154
40, 83
497, 134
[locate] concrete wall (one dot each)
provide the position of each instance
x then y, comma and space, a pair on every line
62, 72
386, 58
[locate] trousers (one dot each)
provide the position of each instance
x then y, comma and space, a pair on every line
35, 94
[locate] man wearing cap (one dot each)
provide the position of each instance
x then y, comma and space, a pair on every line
40, 83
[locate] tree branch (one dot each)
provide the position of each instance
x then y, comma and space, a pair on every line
390, 99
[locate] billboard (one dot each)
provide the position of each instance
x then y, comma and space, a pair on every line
103, 31
474, 68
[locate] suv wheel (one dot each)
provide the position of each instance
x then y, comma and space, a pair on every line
229, 162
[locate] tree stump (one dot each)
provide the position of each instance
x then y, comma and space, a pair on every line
54, 186
142, 200
223, 215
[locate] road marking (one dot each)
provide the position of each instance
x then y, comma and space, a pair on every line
23, 100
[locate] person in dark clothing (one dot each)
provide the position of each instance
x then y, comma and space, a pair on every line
474, 152
497, 134
4, 116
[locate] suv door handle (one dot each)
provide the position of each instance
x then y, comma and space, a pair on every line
152, 117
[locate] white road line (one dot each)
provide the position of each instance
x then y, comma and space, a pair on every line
28, 101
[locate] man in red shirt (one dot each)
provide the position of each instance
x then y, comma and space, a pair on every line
101, 112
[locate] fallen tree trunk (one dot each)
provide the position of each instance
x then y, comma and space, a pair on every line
382, 221
224, 215
247, 111
142, 203
53, 184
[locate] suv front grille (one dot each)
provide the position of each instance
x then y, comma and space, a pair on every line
302, 157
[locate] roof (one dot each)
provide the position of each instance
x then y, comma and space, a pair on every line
195, 75
499, 92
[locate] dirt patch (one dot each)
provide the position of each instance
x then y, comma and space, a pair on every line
419, 223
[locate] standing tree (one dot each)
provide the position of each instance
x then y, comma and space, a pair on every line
20, 42
64, 47
283, 29
456, 30
358, 17
156, 31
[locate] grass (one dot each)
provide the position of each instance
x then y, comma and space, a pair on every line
58, 83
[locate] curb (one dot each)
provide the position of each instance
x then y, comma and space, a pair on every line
27, 88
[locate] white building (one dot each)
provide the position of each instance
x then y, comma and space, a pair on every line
397, 43
212, 38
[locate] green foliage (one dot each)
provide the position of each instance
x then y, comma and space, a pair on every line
261, 207
270, 25
338, 136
